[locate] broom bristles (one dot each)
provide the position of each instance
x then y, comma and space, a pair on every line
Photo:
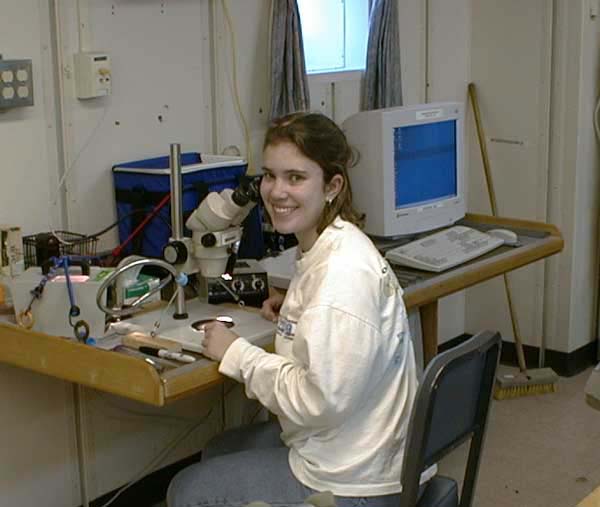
540, 381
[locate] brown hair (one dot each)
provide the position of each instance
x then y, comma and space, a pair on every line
321, 140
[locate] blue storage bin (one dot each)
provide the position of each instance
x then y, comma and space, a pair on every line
142, 184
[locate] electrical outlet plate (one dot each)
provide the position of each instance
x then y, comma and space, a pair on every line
92, 75
16, 83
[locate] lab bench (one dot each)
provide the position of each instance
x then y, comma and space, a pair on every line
123, 374
134, 378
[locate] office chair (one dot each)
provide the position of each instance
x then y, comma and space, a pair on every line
451, 407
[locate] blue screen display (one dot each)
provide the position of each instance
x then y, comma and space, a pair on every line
425, 163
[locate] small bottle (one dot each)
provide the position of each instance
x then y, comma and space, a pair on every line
6, 306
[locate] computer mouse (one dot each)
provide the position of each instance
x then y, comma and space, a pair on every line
509, 237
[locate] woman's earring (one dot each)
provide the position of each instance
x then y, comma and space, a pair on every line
329, 200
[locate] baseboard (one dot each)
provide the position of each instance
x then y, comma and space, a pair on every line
565, 364
457, 340
150, 490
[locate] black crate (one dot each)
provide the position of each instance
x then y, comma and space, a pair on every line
39, 248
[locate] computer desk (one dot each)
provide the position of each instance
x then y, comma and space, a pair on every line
133, 378
537, 240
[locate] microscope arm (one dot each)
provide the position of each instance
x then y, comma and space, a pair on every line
180, 278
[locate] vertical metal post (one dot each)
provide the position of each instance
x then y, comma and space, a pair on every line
177, 216
81, 441
176, 194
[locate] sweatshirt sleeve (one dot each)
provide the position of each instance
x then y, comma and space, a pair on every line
342, 360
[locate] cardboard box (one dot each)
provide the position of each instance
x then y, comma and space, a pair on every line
11, 250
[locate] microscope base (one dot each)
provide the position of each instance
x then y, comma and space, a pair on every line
187, 332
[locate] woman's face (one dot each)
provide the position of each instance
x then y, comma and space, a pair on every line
294, 192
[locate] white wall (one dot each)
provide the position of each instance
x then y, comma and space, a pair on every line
536, 67
38, 448
28, 138
38, 464
249, 33
587, 195
512, 76
574, 180
160, 55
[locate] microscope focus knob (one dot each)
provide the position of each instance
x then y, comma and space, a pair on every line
208, 240
175, 252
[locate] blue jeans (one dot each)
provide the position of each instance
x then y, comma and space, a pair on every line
249, 464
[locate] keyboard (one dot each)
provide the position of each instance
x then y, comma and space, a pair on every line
445, 249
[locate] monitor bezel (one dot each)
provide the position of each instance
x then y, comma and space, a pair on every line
423, 217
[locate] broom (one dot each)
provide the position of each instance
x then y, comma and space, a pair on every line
526, 382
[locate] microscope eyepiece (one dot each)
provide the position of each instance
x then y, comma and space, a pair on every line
248, 190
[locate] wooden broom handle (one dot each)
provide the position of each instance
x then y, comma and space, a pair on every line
492, 195
483, 148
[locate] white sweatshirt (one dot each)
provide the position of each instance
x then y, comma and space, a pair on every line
343, 378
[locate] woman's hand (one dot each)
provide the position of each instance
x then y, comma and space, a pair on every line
217, 339
270, 307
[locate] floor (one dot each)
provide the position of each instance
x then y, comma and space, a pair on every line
540, 451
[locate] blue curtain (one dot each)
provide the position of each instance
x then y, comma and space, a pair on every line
382, 84
289, 83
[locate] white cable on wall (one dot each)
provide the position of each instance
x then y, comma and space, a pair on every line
61, 108
81, 440
71, 165
236, 95
596, 124
83, 25
597, 302
78, 391
269, 48
215, 137
83, 22
68, 164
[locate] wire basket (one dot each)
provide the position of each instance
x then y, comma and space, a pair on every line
39, 248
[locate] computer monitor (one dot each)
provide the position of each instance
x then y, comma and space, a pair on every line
410, 176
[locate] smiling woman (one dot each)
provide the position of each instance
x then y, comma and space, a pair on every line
295, 193
315, 141
342, 379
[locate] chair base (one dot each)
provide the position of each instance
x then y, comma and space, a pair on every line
439, 492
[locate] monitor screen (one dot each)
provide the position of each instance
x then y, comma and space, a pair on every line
425, 163
410, 175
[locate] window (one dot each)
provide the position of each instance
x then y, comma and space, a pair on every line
334, 34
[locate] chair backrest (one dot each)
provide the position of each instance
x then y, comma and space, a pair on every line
451, 406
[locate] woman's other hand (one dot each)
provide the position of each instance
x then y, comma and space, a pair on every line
270, 307
217, 339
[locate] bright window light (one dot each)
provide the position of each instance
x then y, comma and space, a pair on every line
334, 34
